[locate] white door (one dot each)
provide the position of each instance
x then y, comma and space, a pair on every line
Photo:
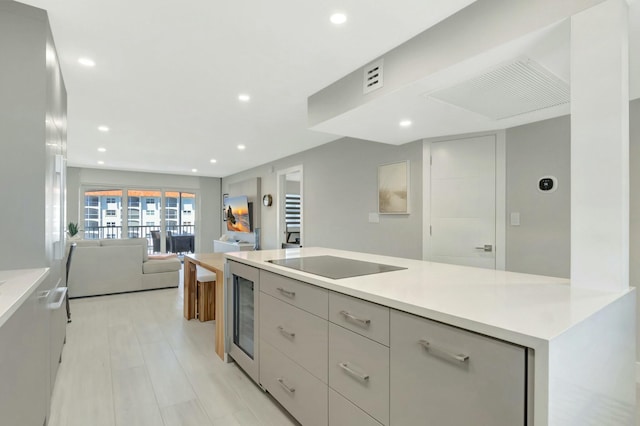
463, 201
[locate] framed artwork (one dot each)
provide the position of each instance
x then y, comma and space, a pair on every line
393, 188
224, 203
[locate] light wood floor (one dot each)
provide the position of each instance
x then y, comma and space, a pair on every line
134, 360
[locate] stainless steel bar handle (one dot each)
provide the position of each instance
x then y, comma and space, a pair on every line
287, 388
361, 321
352, 372
487, 247
431, 348
285, 332
287, 293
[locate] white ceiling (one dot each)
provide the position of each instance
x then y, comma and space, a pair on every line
168, 74
378, 119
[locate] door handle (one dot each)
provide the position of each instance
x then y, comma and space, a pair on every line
487, 248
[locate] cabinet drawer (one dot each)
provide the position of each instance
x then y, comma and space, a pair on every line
300, 393
359, 370
303, 337
305, 296
344, 412
431, 380
360, 316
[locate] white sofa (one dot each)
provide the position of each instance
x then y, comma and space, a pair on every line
110, 266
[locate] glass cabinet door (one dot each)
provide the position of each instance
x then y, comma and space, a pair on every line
243, 321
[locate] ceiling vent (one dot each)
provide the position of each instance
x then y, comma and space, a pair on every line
373, 76
511, 89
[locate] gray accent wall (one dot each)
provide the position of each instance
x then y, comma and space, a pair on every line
541, 243
339, 191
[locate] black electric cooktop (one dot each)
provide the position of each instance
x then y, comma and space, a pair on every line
334, 267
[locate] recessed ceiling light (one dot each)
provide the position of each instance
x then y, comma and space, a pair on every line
213, 160
338, 18
243, 97
87, 62
405, 123
194, 170
100, 162
103, 128
241, 147
102, 149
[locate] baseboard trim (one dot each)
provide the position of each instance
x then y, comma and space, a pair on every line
638, 372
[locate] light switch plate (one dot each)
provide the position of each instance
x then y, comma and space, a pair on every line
374, 218
515, 219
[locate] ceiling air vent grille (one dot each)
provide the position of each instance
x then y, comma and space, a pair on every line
511, 89
373, 77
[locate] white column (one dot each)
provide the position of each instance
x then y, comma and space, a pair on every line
600, 147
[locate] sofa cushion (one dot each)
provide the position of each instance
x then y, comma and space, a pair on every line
142, 242
163, 256
161, 265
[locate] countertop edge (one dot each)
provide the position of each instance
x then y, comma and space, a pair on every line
39, 276
530, 340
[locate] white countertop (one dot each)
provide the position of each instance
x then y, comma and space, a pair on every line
16, 286
529, 310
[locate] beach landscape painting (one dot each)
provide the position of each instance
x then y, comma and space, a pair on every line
237, 214
393, 188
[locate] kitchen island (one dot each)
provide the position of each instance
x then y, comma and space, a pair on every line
578, 345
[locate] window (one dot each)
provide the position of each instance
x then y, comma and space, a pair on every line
107, 216
134, 202
102, 208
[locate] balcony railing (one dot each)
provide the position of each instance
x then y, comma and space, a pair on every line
134, 231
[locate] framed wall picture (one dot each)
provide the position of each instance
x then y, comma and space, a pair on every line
393, 188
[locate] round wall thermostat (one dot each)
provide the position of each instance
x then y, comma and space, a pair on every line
547, 184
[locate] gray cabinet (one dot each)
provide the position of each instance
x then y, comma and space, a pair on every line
33, 109
359, 370
305, 296
293, 348
360, 316
296, 333
24, 363
341, 411
334, 359
301, 393
446, 376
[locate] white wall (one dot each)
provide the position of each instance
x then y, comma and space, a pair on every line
340, 190
634, 201
207, 190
